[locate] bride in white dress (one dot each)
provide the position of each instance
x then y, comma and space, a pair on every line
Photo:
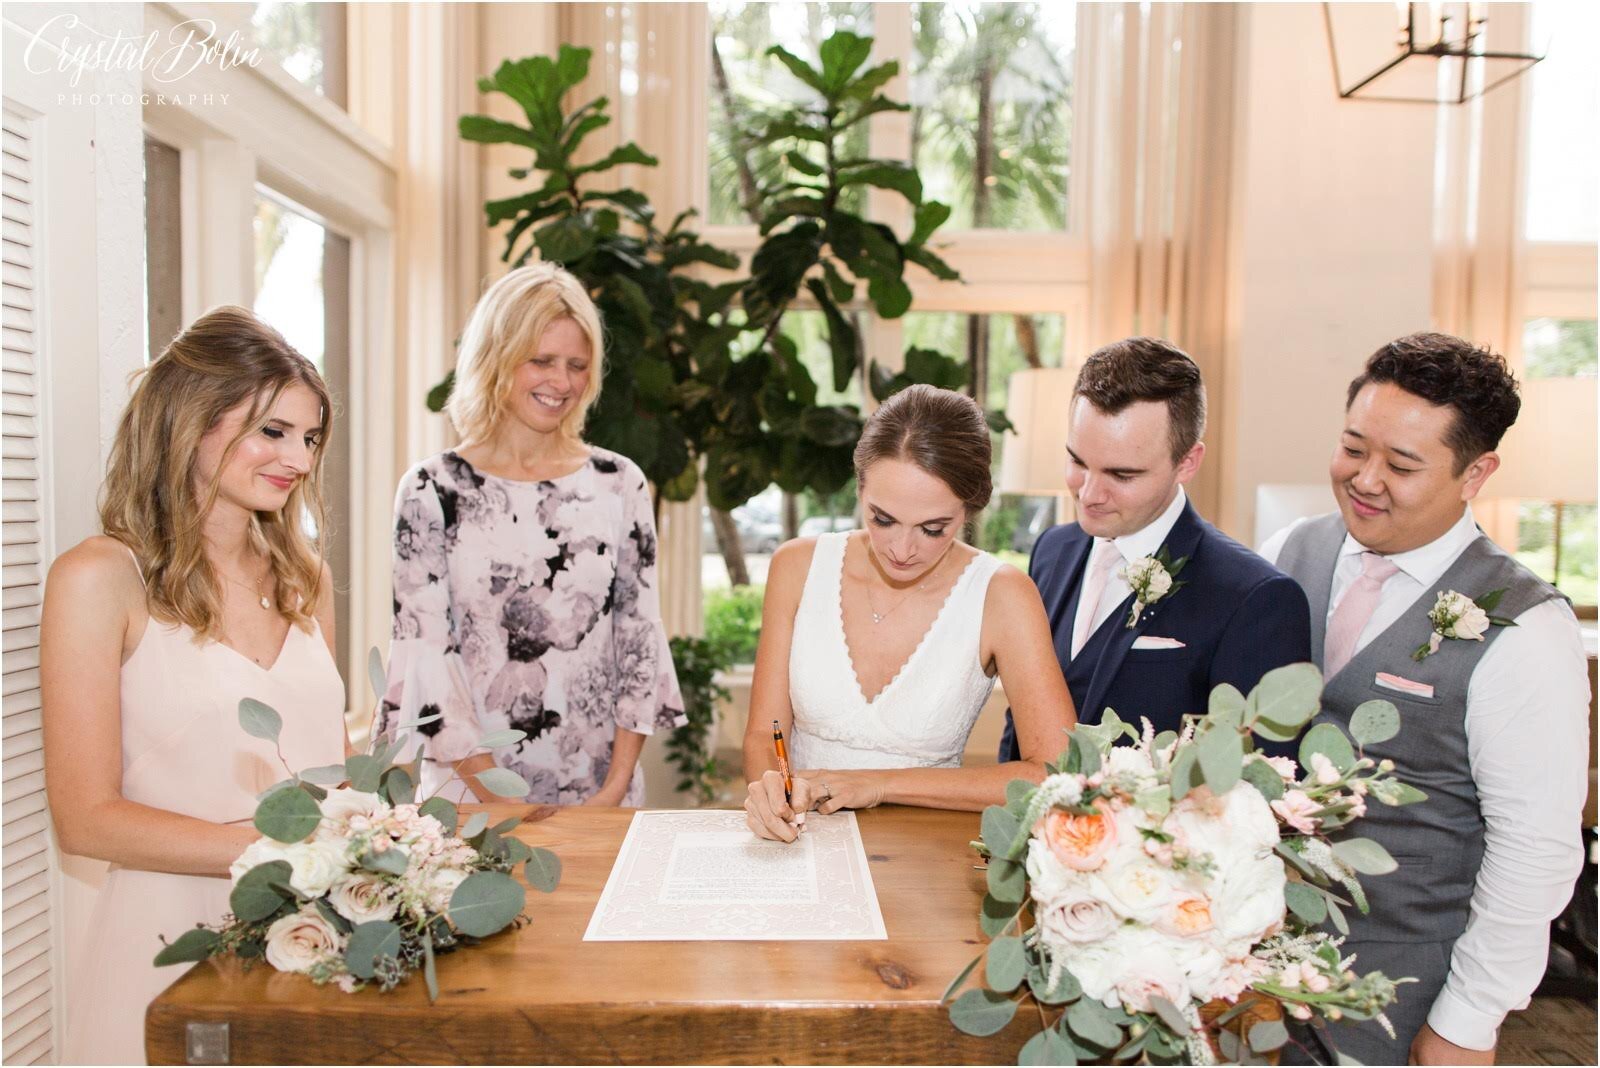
879, 647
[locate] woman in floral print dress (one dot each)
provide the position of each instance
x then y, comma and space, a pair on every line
525, 581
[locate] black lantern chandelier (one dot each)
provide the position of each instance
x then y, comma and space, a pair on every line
1430, 53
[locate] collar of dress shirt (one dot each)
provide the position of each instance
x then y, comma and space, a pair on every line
1146, 542
1426, 563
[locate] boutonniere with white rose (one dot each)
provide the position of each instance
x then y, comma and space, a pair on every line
1152, 578
1457, 616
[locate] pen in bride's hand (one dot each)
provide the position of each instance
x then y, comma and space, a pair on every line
783, 761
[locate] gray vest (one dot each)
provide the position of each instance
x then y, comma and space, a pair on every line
1438, 842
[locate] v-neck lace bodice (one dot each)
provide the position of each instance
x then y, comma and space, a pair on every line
922, 716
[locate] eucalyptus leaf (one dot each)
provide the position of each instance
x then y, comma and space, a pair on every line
1065, 989
1263, 777
288, 816
259, 720
1365, 856
329, 913
430, 974
255, 897
503, 782
996, 915
982, 1012
1373, 722
442, 810
1226, 701
376, 676
1019, 790
327, 775
1288, 696
396, 787
1048, 1047
195, 944
369, 943
1306, 902
1006, 965
1221, 755
390, 862
1186, 772
501, 738
1000, 829
1169, 1015
1091, 1022
475, 825
485, 903
955, 984
1007, 880
365, 772
1336, 914
1268, 1035
1330, 741
543, 871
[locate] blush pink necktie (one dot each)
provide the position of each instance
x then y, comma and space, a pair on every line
1105, 560
1354, 612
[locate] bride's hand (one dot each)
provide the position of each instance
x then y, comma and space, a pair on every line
768, 815
831, 791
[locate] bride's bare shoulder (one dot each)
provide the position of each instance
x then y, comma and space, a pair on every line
791, 562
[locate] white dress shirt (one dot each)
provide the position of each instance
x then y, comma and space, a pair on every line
1136, 546
1527, 725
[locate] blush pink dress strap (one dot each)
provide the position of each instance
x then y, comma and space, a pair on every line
184, 751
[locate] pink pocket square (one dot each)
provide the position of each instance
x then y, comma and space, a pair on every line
1400, 685
1146, 641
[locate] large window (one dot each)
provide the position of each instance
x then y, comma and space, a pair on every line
991, 88
307, 40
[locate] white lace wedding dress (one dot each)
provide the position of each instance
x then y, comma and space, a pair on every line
923, 716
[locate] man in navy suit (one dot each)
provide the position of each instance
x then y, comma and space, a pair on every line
1133, 441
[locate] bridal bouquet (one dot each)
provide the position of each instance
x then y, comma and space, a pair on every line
362, 884
1148, 896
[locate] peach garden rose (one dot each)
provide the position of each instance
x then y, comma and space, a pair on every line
1079, 842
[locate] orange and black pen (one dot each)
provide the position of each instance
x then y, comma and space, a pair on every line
783, 760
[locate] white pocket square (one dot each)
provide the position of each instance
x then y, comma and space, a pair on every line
1146, 641
1402, 685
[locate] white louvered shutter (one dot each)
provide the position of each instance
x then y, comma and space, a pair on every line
25, 852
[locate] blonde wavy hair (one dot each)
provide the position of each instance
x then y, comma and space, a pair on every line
150, 502
504, 330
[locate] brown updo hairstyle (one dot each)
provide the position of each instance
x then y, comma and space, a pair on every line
940, 431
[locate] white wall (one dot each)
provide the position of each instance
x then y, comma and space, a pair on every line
1331, 250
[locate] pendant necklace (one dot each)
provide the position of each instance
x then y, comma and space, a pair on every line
256, 589
879, 617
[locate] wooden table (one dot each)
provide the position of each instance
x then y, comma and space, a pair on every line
541, 995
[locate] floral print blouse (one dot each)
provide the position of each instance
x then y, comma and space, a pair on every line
533, 606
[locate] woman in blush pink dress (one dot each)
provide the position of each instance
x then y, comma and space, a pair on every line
203, 589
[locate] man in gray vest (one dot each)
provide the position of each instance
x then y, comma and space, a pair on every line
1494, 715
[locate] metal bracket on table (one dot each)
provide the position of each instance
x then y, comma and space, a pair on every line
206, 1043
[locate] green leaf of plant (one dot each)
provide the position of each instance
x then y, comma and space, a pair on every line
288, 816
442, 810
1305, 902
1169, 1015
1007, 880
369, 943
389, 862
195, 944
1227, 703
336, 921
376, 675
430, 974
1091, 1022
364, 771
503, 783
1221, 755
254, 897
1261, 775
397, 788
500, 738
1329, 740
798, 67
485, 903
1288, 696
1019, 790
982, 1012
475, 825
1373, 722
1065, 989
887, 174
842, 55
1365, 856
327, 775
1048, 1047
955, 984
483, 129
843, 342
996, 915
543, 871
891, 296
565, 241
1336, 914
1186, 772
1000, 829
1006, 965
259, 720
1268, 1035
930, 215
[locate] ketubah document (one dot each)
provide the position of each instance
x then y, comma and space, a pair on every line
701, 876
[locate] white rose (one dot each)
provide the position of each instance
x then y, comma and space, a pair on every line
1096, 964
344, 802
316, 865
1470, 624
1139, 890
300, 940
261, 851
1157, 583
1248, 899
1077, 918
362, 898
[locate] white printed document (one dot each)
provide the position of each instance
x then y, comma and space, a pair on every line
701, 876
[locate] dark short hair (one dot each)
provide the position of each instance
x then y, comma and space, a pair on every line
941, 431
1148, 369
1448, 372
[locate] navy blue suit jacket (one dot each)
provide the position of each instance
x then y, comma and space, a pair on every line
1237, 615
